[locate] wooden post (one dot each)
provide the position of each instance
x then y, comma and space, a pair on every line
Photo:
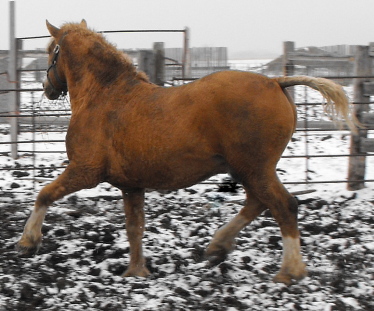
186, 70
288, 66
4, 101
356, 166
159, 63
146, 63
12, 77
19, 55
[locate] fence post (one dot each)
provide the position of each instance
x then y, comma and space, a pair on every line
288, 66
12, 77
186, 69
159, 52
356, 166
146, 63
19, 56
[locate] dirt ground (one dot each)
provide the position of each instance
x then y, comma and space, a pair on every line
85, 250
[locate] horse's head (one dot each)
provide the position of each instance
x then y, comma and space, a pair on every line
56, 83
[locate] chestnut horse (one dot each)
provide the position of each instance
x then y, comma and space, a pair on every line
136, 135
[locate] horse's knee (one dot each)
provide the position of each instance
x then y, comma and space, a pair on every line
43, 198
49, 194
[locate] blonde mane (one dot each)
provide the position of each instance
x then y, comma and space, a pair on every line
96, 45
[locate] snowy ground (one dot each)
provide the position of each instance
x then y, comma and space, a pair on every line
85, 248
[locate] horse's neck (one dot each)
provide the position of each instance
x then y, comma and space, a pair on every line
90, 75
92, 94
101, 61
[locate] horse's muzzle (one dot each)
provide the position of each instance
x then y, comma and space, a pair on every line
51, 92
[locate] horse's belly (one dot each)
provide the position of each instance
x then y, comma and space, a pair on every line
176, 174
182, 178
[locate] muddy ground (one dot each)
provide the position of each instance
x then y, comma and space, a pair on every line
85, 251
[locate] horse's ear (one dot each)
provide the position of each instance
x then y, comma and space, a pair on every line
52, 29
84, 23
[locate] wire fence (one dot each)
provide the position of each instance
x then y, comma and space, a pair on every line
42, 126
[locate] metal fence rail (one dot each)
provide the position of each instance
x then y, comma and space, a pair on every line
50, 121
40, 119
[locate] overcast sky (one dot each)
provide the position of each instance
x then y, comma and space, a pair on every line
246, 27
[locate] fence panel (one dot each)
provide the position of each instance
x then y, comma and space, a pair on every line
43, 124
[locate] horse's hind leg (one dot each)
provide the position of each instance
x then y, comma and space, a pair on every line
71, 180
283, 207
261, 195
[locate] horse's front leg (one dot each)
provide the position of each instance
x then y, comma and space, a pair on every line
71, 180
135, 222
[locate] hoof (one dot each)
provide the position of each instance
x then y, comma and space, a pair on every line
27, 246
27, 251
216, 257
136, 271
288, 278
218, 250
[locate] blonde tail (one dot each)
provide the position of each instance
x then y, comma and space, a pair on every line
337, 105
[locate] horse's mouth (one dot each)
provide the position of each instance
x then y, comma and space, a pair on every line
51, 93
